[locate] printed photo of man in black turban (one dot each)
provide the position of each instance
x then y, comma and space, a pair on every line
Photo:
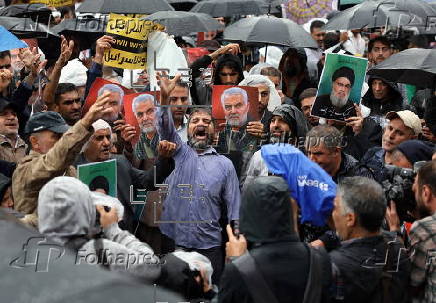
337, 105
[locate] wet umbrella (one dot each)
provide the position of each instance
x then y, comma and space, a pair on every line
182, 5
87, 30
229, 8
181, 23
25, 28
269, 30
124, 7
35, 270
412, 66
302, 11
376, 13
37, 12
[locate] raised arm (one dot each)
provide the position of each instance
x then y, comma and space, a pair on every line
48, 94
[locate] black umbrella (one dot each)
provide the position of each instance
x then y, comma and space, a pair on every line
269, 30
230, 8
37, 12
182, 5
181, 23
376, 13
124, 7
25, 28
87, 30
35, 270
412, 66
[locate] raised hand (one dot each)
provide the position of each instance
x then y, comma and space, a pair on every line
166, 85
100, 108
66, 51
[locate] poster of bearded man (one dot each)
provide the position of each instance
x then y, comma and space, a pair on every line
340, 87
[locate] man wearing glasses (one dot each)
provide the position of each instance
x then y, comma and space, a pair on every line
336, 105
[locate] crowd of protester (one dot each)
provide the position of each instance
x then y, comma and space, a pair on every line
230, 227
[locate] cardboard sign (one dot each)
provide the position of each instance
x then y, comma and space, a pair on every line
54, 3
130, 48
340, 87
100, 175
242, 109
129, 114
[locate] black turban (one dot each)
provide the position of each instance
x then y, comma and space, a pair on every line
345, 72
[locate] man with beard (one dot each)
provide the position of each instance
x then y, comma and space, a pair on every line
97, 149
239, 133
234, 101
423, 235
116, 100
202, 185
337, 106
144, 109
68, 103
287, 125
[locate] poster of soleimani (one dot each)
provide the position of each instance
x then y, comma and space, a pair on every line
340, 87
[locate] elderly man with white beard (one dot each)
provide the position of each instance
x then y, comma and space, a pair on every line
336, 105
145, 112
97, 149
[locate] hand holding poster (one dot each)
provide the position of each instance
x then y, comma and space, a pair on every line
235, 105
140, 112
117, 94
130, 48
100, 176
340, 87
235, 108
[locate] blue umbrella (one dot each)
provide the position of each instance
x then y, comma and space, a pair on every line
9, 41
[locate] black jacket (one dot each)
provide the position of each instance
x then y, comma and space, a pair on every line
201, 94
283, 261
324, 108
350, 167
359, 264
394, 101
370, 136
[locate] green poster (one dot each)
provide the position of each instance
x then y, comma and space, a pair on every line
340, 87
100, 175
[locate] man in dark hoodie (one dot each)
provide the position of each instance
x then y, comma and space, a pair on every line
267, 222
228, 71
382, 97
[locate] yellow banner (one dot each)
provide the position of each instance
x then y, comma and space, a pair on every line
54, 3
130, 48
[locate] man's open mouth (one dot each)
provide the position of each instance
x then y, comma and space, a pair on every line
200, 134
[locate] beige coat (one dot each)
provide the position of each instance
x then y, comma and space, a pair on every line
35, 170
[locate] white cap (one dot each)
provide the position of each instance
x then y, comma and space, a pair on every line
410, 119
100, 124
74, 72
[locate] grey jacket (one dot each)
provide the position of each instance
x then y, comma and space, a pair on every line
67, 212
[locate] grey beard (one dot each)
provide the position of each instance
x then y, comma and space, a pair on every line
338, 102
199, 144
147, 130
236, 123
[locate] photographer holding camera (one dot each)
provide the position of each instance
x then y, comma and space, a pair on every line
73, 216
399, 177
